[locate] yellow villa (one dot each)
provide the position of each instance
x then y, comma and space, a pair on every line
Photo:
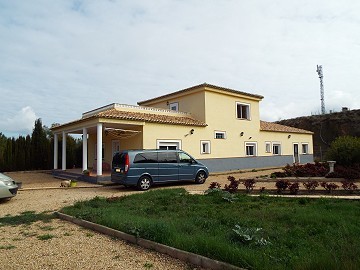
221, 127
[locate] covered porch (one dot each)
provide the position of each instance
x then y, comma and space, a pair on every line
101, 138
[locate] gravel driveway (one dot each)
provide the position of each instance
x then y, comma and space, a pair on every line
62, 245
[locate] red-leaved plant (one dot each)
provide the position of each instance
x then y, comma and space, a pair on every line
233, 186
249, 184
282, 185
349, 186
311, 185
294, 188
329, 187
215, 185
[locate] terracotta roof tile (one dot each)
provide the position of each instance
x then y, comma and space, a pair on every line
149, 117
199, 86
268, 126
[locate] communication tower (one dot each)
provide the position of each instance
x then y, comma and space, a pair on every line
320, 73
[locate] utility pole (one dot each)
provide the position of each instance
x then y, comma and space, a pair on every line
320, 73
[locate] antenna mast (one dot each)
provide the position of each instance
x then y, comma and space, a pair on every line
320, 73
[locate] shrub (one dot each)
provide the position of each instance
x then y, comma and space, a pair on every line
249, 184
282, 185
348, 172
345, 150
303, 170
349, 186
311, 185
307, 170
329, 186
294, 188
233, 186
215, 185
278, 175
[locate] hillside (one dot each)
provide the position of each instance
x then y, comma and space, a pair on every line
327, 127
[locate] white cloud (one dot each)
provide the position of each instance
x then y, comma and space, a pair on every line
66, 57
21, 123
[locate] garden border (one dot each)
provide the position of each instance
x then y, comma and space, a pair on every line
185, 256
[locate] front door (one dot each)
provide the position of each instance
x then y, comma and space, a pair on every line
296, 153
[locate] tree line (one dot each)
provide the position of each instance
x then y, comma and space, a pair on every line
36, 151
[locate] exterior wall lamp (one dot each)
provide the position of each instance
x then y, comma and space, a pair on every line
241, 134
289, 136
192, 131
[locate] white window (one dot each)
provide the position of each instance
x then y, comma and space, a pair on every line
268, 147
242, 111
168, 144
220, 135
174, 106
276, 148
205, 147
103, 151
250, 148
305, 148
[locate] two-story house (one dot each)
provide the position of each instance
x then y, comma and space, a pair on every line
219, 126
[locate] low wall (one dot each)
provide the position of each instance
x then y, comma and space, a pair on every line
240, 163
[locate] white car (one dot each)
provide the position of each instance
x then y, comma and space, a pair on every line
8, 187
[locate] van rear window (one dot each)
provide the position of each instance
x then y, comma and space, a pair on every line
119, 159
146, 158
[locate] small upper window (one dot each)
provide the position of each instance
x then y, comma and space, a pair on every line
220, 135
250, 149
205, 147
267, 147
276, 149
174, 106
242, 111
305, 148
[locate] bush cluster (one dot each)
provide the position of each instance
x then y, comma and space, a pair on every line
319, 170
347, 172
303, 170
282, 185
345, 150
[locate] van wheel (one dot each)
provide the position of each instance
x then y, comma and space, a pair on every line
144, 183
200, 178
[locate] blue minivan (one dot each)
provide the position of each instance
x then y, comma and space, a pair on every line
143, 168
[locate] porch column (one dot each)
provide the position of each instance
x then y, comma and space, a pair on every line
99, 149
85, 150
56, 151
63, 151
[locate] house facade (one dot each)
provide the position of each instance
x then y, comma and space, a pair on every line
221, 127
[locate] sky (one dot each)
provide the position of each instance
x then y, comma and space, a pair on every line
60, 58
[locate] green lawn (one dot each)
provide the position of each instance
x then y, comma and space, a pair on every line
295, 233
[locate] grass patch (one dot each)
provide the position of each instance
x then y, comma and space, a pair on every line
26, 218
45, 237
46, 228
251, 232
7, 247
